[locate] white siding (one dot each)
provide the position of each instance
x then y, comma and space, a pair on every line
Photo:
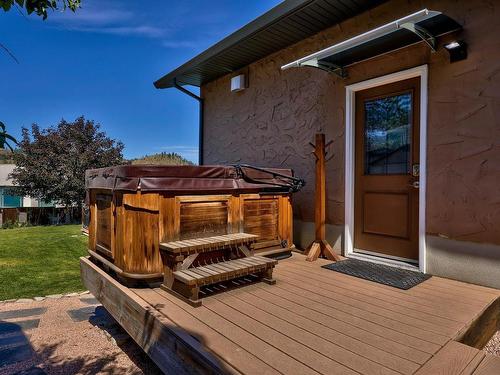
5, 170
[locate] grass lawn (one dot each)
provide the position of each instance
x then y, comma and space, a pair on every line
38, 261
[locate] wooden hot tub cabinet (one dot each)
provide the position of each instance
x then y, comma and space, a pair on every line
134, 208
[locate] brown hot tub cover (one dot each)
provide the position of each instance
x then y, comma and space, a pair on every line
193, 179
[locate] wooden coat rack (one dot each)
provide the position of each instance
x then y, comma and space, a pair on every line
320, 246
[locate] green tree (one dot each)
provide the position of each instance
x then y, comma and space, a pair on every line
5, 137
51, 163
40, 7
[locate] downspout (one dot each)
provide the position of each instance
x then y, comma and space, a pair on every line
200, 126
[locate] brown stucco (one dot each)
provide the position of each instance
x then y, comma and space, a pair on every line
273, 120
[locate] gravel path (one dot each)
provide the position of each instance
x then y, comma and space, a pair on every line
70, 335
493, 346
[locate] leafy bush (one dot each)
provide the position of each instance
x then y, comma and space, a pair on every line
10, 224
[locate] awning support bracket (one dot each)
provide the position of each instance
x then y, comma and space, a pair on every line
327, 67
422, 33
333, 68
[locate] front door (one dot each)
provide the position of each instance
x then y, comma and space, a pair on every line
387, 170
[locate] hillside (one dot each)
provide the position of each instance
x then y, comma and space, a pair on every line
163, 158
5, 156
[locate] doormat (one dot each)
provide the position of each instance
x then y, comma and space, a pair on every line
379, 273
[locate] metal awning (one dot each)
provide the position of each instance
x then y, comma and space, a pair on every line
422, 26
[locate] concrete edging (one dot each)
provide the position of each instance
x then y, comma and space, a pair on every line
39, 299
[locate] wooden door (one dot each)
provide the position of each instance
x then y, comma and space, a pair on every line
387, 169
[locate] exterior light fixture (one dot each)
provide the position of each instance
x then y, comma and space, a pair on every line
238, 83
457, 50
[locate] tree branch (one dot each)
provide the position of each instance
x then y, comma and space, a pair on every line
9, 53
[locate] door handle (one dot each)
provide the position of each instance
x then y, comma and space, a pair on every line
415, 184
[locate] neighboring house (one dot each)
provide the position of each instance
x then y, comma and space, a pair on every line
7, 199
410, 99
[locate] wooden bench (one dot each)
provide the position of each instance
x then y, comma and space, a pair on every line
198, 245
185, 273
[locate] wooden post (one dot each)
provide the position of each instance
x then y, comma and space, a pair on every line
320, 188
320, 246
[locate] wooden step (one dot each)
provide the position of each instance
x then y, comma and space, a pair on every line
221, 271
186, 283
204, 244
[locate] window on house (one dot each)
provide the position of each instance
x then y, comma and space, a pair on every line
9, 201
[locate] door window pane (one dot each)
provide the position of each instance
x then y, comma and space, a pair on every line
387, 134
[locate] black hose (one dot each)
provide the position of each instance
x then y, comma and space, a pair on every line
293, 185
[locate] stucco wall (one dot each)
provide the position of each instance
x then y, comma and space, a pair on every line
272, 122
462, 260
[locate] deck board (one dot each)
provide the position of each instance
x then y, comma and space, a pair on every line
435, 288
329, 296
461, 308
438, 285
316, 321
320, 303
237, 356
456, 358
298, 349
252, 344
353, 353
438, 315
346, 335
360, 318
474, 363
488, 366
428, 304
358, 328
452, 359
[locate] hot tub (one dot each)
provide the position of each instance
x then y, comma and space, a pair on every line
134, 208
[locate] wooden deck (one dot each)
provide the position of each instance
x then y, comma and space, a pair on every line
313, 321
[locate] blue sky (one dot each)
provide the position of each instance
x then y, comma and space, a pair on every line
101, 63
